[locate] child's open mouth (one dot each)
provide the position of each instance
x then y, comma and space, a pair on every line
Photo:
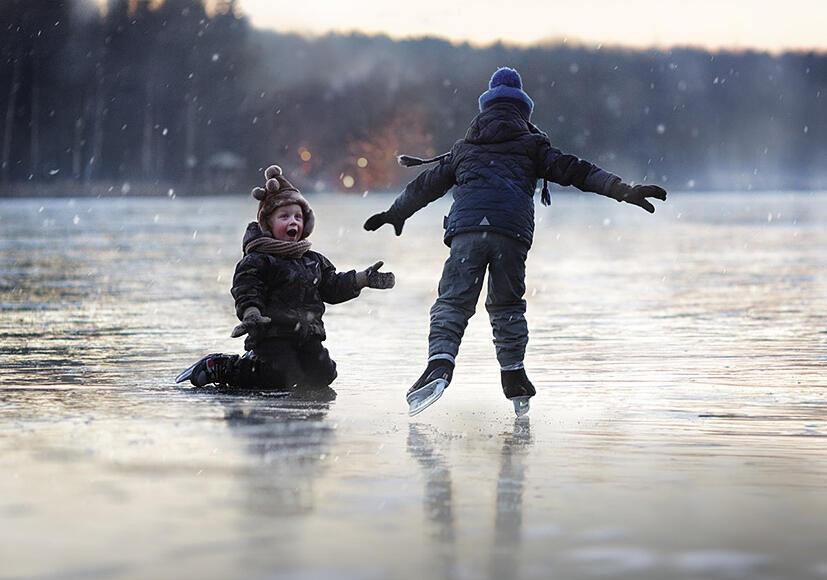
292, 232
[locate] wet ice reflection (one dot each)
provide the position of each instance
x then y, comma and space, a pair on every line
425, 444
437, 498
508, 524
291, 434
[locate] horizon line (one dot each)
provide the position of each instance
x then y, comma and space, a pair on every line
573, 41
550, 42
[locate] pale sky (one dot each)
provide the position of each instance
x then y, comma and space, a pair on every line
761, 24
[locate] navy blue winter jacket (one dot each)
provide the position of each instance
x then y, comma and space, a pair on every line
494, 173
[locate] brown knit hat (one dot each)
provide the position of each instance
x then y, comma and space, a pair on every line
277, 192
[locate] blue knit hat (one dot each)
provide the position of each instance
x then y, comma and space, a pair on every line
506, 83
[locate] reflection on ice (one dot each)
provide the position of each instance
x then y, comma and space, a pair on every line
508, 525
424, 445
289, 437
438, 495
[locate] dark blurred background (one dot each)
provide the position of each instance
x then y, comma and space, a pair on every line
172, 97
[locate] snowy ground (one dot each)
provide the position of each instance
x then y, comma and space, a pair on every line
678, 431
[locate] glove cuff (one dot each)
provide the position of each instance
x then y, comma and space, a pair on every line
361, 279
620, 190
251, 311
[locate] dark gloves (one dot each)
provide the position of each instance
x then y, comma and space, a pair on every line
251, 320
637, 195
376, 221
373, 278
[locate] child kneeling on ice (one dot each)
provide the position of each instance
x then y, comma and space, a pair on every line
280, 288
494, 172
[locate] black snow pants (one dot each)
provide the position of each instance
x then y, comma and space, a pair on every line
282, 364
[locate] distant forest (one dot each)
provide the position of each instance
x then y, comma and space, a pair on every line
152, 96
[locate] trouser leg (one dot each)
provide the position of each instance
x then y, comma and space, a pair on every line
504, 302
241, 371
318, 369
459, 289
272, 365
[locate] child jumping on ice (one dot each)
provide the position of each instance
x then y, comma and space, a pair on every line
494, 172
280, 288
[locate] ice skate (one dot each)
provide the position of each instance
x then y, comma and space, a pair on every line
209, 370
517, 389
430, 386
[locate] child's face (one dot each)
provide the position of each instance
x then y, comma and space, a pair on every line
287, 223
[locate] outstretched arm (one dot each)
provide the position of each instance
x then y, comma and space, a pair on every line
336, 287
428, 186
568, 169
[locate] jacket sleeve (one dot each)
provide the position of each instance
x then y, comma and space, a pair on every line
566, 169
249, 283
428, 186
336, 287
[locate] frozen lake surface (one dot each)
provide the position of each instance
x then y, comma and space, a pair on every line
678, 431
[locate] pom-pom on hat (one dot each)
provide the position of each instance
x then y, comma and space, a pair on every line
506, 83
272, 171
278, 192
506, 76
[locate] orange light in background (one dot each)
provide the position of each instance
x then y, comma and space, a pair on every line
348, 181
305, 154
381, 171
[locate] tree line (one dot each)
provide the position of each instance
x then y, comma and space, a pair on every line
148, 95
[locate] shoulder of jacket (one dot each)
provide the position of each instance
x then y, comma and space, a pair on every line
540, 140
254, 262
316, 257
458, 144
450, 155
253, 258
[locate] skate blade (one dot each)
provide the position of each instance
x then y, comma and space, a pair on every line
425, 396
521, 405
186, 374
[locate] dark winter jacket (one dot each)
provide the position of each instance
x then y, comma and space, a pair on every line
291, 291
494, 172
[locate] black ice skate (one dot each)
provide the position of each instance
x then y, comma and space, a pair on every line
430, 386
212, 369
518, 389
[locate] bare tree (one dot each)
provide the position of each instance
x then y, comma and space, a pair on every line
34, 124
8, 131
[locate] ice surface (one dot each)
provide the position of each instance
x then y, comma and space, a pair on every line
678, 429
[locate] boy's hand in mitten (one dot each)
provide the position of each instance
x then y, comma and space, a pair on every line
252, 319
637, 195
373, 278
376, 221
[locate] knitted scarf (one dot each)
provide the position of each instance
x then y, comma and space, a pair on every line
276, 247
